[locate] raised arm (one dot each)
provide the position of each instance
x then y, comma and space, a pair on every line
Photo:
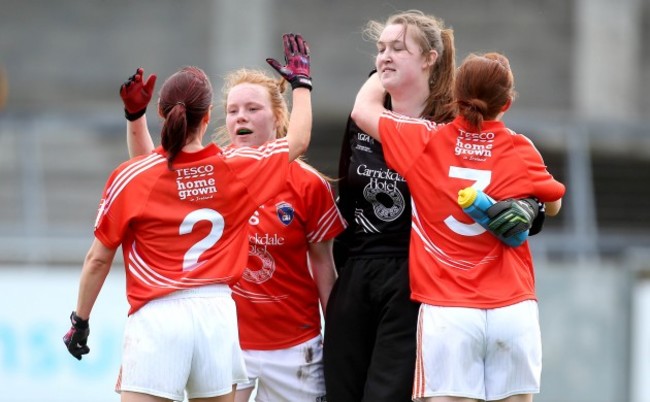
369, 106
136, 94
297, 72
300, 122
138, 138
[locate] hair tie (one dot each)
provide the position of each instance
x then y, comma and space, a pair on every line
181, 103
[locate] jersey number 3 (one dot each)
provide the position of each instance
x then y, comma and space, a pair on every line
191, 260
481, 179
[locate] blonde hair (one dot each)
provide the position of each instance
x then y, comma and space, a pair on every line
430, 34
275, 89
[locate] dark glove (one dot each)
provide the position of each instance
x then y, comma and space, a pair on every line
296, 55
77, 337
136, 94
510, 217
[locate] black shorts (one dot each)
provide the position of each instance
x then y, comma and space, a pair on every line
370, 332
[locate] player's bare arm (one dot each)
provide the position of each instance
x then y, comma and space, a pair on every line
553, 207
368, 106
93, 273
321, 258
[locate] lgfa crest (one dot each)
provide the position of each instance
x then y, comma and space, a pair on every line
285, 212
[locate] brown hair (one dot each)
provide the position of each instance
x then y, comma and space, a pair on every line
275, 89
484, 84
185, 98
431, 34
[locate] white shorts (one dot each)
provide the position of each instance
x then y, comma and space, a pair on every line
477, 353
185, 341
294, 374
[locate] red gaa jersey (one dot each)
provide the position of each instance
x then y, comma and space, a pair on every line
187, 227
454, 261
277, 299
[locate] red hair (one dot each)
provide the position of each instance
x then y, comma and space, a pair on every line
484, 85
185, 99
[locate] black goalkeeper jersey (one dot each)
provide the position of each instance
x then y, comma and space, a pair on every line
373, 198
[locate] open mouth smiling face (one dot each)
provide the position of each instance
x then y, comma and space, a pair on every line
244, 131
249, 115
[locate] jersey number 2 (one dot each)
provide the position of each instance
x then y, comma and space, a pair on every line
191, 260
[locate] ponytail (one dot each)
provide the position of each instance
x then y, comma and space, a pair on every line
484, 84
440, 100
185, 99
174, 135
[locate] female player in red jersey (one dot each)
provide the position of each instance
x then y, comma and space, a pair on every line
478, 329
290, 235
181, 216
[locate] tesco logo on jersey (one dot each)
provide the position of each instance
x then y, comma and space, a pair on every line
195, 183
474, 146
195, 171
476, 136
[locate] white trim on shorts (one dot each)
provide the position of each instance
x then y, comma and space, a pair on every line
485, 354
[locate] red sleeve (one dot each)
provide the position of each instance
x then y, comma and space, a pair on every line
324, 221
118, 207
545, 187
403, 139
263, 170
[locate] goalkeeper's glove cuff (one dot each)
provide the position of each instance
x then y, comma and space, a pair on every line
301, 81
538, 222
78, 322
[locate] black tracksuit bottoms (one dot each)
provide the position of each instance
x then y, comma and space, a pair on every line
370, 332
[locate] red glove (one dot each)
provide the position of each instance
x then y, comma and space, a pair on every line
136, 94
296, 55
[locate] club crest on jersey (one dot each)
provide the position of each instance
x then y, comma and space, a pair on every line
285, 212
